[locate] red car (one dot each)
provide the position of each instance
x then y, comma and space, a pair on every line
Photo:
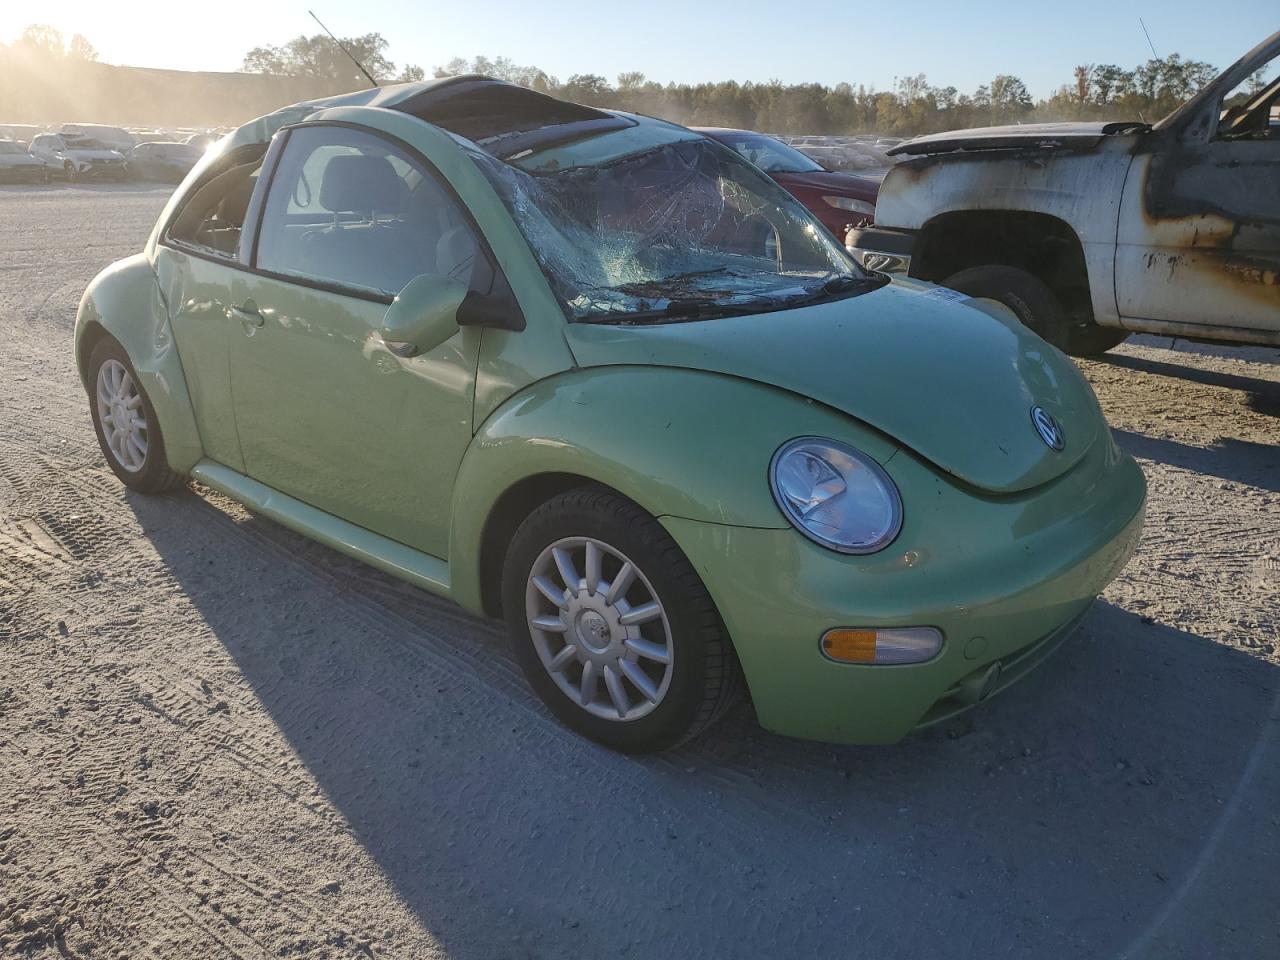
839, 200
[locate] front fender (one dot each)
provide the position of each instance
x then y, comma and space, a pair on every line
680, 443
124, 301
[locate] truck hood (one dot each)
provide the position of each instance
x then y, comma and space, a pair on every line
1076, 136
927, 367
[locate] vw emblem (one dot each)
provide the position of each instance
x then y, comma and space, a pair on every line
1049, 429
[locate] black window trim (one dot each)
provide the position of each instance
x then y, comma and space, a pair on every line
246, 258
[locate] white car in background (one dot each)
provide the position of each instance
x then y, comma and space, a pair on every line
115, 138
79, 158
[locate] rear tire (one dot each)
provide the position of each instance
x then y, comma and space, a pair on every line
1037, 307
115, 394
687, 692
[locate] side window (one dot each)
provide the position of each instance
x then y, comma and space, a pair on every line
1251, 111
211, 220
346, 207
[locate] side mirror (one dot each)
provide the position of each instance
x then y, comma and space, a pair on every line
423, 315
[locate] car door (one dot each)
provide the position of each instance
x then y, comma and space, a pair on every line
201, 266
325, 411
1199, 234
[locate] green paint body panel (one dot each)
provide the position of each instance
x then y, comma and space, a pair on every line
310, 420
386, 555
125, 300
1009, 569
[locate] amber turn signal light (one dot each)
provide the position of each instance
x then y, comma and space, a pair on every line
885, 645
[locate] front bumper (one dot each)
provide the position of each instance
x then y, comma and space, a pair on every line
103, 171
881, 249
1004, 578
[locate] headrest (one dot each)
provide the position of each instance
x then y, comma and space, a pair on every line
233, 207
361, 184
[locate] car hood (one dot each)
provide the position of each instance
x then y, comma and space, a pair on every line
935, 372
19, 160
1080, 136
840, 184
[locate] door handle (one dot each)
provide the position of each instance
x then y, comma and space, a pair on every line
249, 315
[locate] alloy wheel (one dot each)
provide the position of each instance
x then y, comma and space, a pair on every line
599, 629
120, 412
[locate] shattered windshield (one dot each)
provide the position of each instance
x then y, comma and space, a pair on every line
680, 230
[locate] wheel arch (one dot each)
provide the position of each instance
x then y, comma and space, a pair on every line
124, 302
1043, 244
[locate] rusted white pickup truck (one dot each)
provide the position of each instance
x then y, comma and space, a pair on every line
1089, 231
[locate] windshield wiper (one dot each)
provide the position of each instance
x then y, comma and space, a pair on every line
838, 287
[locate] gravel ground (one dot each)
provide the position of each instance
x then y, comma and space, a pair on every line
218, 739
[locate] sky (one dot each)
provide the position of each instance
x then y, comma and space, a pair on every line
953, 43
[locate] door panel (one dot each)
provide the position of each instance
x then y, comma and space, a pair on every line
324, 410
327, 414
1199, 238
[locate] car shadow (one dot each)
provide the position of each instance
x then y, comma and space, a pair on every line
1116, 802
1261, 396
1255, 464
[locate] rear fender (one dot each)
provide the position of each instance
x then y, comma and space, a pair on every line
124, 301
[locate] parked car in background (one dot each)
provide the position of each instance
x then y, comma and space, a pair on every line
17, 165
78, 158
115, 138
166, 162
202, 141
1088, 231
24, 133
839, 200
528, 355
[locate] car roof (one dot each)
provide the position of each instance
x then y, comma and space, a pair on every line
503, 118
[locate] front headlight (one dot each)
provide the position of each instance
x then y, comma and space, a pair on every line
835, 495
850, 204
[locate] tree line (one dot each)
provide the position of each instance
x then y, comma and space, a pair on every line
914, 106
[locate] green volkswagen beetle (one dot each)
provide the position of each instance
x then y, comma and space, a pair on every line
599, 376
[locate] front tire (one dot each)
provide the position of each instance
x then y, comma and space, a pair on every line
613, 627
1037, 307
125, 422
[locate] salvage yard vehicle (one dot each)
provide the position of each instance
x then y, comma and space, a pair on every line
158, 160
17, 165
531, 356
839, 200
115, 138
1089, 231
79, 158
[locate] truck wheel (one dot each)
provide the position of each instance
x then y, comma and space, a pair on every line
126, 423
613, 627
1037, 306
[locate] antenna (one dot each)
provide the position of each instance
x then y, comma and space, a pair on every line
1140, 23
372, 81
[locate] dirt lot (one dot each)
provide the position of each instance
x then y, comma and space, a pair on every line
220, 740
